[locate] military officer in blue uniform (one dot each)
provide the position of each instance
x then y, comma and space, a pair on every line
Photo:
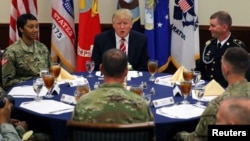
210, 61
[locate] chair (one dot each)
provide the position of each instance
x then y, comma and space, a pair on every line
81, 131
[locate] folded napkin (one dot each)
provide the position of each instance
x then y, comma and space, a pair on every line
178, 75
64, 75
27, 135
213, 88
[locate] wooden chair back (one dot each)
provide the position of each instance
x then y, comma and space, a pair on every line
80, 131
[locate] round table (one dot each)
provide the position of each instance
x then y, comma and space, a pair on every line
56, 124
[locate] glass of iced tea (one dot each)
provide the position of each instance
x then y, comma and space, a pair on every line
188, 75
136, 89
55, 69
49, 81
185, 87
152, 68
81, 89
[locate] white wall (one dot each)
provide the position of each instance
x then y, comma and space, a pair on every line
239, 10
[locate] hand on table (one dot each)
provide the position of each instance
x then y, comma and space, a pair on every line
17, 122
5, 111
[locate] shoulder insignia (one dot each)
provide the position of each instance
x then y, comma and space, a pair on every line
4, 60
239, 43
208, 42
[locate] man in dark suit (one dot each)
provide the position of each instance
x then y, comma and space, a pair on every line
135, 42
210, 62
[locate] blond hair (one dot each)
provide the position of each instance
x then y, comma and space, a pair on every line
122, 13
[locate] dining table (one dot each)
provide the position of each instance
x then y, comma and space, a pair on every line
55, 124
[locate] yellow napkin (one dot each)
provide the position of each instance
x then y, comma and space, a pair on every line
27, 135
213, 88
64, 75
178, 75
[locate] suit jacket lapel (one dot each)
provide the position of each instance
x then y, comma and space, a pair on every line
131, 42
112, 39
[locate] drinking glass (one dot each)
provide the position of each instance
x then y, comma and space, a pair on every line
185, 87
187, 75
147, 97
43, 71
196, 78
55, 69
49, 81
37, 86
152, 68
77, 95
90, 65
136, 89
199, 93
81, 89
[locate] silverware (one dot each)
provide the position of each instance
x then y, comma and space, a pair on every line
61, 110
18, 95
27, 102
199, 106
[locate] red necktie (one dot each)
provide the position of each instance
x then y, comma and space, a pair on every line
122, 45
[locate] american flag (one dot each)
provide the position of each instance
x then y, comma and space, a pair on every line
184, 5
19, 7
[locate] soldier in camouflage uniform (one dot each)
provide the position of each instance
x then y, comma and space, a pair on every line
111, 102
7, 131
22, 127
209, 64
23, 59
234, 111
234, 65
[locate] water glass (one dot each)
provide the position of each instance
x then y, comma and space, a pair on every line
43, 71
199, 93
147, 97
90, 65
196, 78
37, 86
